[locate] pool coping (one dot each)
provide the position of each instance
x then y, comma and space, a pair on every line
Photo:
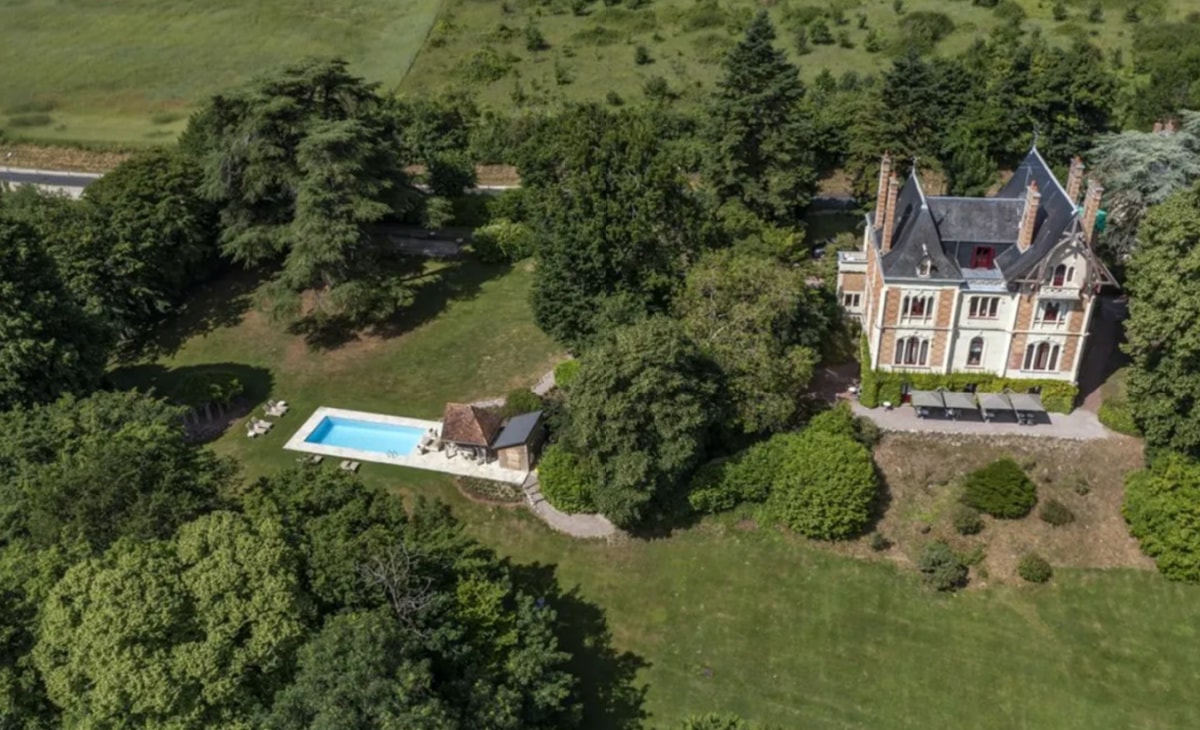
431, 461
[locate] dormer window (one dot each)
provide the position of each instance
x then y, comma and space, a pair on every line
925, 267
983, 257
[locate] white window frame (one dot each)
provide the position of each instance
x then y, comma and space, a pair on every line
906, 315
1053, 355
917, 347
981, 307
1063, 310
982, 351
851, 300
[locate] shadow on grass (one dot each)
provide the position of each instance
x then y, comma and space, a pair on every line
221, 302
210, 423
608, 690
429, 292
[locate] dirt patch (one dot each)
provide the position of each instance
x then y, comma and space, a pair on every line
59, 158
923, 474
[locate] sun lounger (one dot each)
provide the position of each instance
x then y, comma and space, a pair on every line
276, 409
350, 466
261, 425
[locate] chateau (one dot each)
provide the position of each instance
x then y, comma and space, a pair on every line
1002, 285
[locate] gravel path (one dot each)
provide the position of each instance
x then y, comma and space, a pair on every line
1079, 425
580, 525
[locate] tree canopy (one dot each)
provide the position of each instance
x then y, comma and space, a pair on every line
49, 344
758, 132
642, 411
825, 485
299, 163
1163, 334
611, 214
762, 325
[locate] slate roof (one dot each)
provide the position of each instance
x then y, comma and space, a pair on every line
517, 430
469, 425
924, 225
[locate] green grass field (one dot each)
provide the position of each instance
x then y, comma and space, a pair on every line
723, 616
128, 73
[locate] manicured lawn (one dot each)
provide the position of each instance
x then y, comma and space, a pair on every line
128, 71
724, 616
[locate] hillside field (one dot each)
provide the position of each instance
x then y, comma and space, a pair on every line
128, 73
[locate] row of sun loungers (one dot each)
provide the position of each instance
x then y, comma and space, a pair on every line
317, 459
256, 427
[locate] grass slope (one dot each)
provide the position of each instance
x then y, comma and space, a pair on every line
128, 71
720, 617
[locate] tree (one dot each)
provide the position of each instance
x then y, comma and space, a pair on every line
190, 633
337, 524
825, 487
1141, 170
159, 237
1163, 335
761, 325
358, 673
611, 214
101, 468
49, 344
758, 133
641, 411
300, 163
1162, 506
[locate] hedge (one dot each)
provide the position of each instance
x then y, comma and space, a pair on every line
877, 386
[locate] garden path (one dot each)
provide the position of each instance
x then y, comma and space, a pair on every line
577, 525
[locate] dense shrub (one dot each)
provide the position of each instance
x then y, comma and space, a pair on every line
565, 372
1162, 506
752, 472
710, 491
825, 486
503, 240
1034, 568
566, 482
450, 173
966, 520
521, 400
922, 29
941, 567
840, 420
1000, 489
1056, 513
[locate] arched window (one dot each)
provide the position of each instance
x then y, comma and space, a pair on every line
916, 306
912, 351
1051, 312
1041, 356
975, 352
1060, 275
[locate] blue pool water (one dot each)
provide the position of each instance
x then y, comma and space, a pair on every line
384, 438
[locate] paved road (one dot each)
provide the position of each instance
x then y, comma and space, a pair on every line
71, 183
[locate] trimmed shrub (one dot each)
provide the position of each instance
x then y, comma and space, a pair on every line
1055, 513
565, 372
521, 400
565, 480
841, 421
1000, 489
824, 486
503, 240
940, 567
1034, 568
966, 520
641, 56
710, 492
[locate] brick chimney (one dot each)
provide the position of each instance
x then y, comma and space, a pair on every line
1091, 206
1158, 128
1028, 217
1075, 180
885, 172
889, 218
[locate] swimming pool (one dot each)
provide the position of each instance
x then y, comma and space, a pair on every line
381, 438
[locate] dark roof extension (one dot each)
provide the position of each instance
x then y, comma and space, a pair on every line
517, 430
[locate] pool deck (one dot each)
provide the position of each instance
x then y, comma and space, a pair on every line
431, 460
